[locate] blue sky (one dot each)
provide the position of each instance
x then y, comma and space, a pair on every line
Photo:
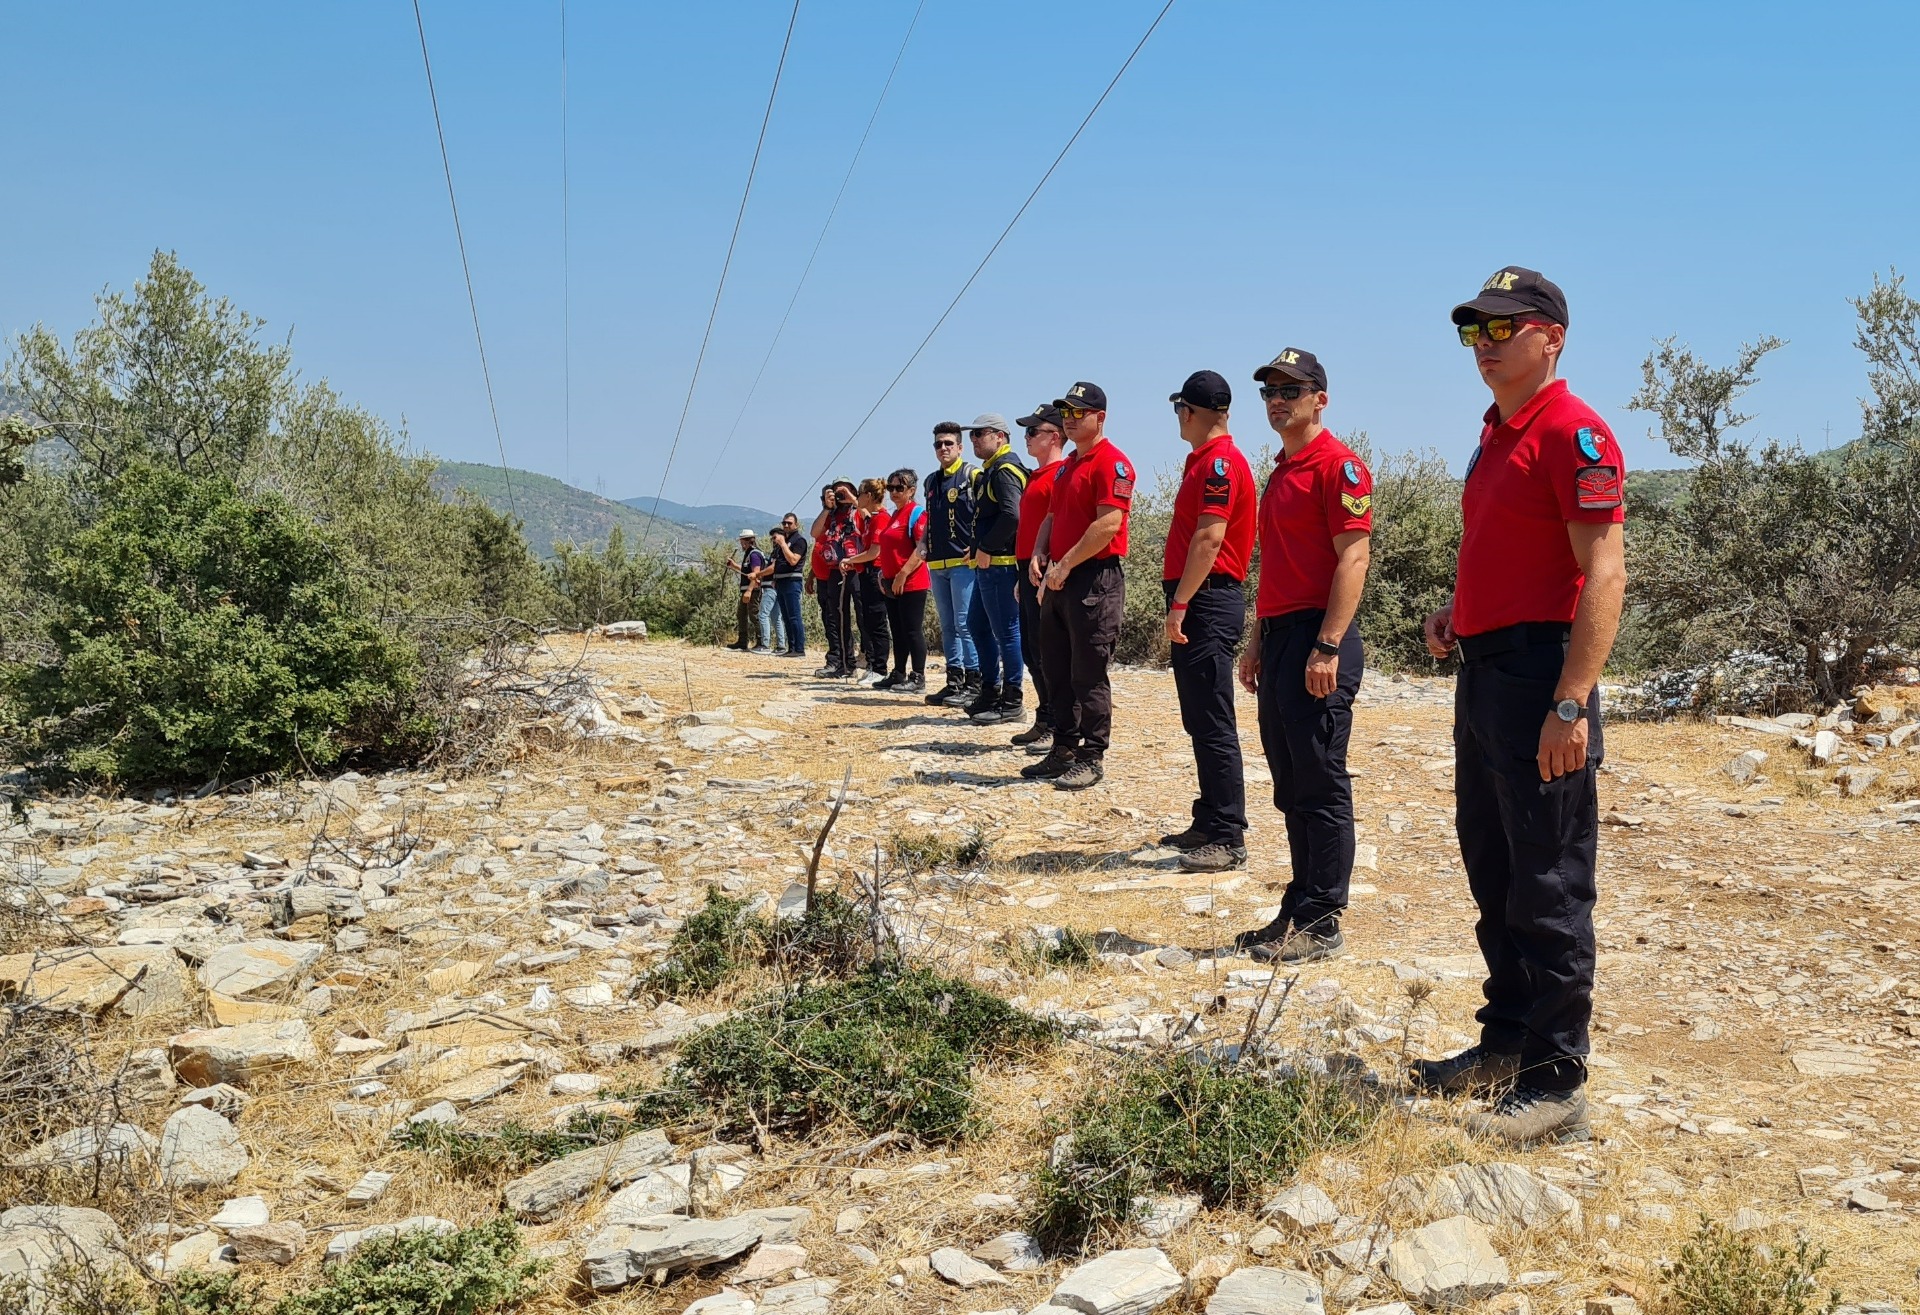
1333, 177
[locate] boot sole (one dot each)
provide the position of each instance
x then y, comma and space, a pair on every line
1580, 1132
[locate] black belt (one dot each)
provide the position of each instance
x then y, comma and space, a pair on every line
1287, 621
1220, 580
1511, 639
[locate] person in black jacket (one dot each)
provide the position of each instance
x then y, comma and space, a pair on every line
994, 617
949, 553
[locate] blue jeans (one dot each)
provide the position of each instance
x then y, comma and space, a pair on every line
952, 597
787, 590
771, 631
994, 623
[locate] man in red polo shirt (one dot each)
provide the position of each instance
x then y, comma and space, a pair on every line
1209, 544
1083, 593
1536, 605
1045, 440
1316, 517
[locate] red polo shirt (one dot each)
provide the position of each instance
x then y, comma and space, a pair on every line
1088, 481
1034, 505
901, 535
1554, 462
1216, 481
1321, 491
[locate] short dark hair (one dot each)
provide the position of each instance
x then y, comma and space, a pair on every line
907, 473
947, 427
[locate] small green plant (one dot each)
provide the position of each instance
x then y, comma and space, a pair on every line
833, 938
710, 947
196, 1292
1049, 948
925, 851
510, 1149
466, 1272
86, 1285
1720, 1273
1183, 1124
891, 1048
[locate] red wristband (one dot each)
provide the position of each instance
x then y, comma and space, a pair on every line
1176, 607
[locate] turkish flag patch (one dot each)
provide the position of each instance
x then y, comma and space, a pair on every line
1597, 488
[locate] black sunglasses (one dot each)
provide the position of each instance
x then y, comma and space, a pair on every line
1285, 392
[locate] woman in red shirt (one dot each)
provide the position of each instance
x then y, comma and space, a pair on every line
870, 601
897, 548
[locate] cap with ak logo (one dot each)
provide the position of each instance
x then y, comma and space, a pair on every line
1298, 364
1086, 396
1515, 290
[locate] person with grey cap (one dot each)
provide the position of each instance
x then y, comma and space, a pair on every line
993, 618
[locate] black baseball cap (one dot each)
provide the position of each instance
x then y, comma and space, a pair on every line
1296, 363
1207, 389
1086, 396
1044, 414
1515, 290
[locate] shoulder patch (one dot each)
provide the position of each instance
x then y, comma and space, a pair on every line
1219, 465
1472, 461
1351, 471
1120, 470
1359, 506
1589, 445
1597, 488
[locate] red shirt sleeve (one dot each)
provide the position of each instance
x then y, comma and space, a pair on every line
1349, 497
1112, 481
1218, 488
1587, 471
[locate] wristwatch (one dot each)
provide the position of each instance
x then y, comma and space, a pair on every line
1322, 646
1568, 710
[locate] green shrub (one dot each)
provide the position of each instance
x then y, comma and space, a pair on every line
889, 1049
197, 1292
710, 947
203, 633
422, 1273
1182, 1124
512, 1148
924, 851
1719, 1273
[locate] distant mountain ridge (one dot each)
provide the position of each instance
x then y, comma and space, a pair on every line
555, 512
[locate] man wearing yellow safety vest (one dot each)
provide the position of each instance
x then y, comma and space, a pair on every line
949, 553
994, 619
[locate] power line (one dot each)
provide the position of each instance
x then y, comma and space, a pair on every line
832, 210
566, 272
725, 265
895, 382
466, 270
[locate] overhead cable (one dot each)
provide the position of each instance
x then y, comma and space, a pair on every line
566, 273
832, 210
466, 270
727, 264
895, 382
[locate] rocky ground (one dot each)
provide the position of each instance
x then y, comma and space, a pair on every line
283, 976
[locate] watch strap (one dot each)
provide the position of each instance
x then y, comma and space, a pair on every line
1322, 646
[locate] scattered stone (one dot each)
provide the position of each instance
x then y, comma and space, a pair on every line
807, 1297
623, 1253
343, 1245
962, 1270
267, 1244
540, 1195
1266, 1242
199, 1148
118, 1146
1302, 1209
1825, 745
1163, 1216
1017, 1252
1497, 1195
1865, 1198
1449, 1263
129, 979
240, 1212
1258, 1290
782, 1223
1746, 766
254, 969
771, 1260
372, 1186
36, 1239
1127, 1282
237, 1055
724, 1302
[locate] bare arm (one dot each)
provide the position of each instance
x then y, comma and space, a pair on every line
1354, 552
1601, 552
1037, 568
1098, 535
1210, 532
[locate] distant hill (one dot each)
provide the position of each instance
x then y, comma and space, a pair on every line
718, 518
559, 513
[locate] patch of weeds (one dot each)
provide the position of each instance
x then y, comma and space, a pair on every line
710, 946
924, 851
81, 1287
1049, 948
467, 1272
1182, 1124
512, 1148
889, 1049
1719, 1273
196, 1292
833, 938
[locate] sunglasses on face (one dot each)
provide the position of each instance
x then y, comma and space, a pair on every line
1285, 392
1034, 431
899, 488
1496, 330
1074, 413
946, 442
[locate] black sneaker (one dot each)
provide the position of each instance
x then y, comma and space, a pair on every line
1214, 856
1475, 1071
945, 691
1190, 839
1083, 775
984, 697
1010, 706
964, 692
1058, 762
913, 685
1041, 732
828, 672
889, 682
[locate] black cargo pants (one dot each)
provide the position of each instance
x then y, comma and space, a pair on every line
1305, 740
1079, 626
1030, 649
1203, 677
1530, 848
